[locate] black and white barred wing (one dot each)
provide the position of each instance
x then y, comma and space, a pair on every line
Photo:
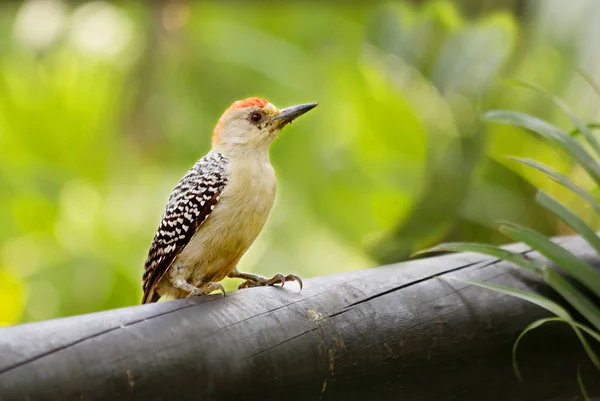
189, 205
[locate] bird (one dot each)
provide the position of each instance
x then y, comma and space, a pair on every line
218, 208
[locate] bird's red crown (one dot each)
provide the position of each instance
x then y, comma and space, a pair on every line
240, 104
249, 102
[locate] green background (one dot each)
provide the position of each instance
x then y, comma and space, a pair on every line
104, 106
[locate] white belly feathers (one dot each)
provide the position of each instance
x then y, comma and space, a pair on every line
232, 227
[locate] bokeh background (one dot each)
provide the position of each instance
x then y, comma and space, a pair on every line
104, 106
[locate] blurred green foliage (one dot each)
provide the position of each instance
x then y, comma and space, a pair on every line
103, 106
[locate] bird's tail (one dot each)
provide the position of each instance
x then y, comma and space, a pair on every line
150, 297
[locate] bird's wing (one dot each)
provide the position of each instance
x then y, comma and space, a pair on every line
189, 205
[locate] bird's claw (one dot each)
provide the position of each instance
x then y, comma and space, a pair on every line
245, 284
291, 277
206, 289
276, 279
219, 287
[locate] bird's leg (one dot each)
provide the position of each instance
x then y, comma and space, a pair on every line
192, 290
255, 280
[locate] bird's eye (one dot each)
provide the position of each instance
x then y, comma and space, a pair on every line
256, 117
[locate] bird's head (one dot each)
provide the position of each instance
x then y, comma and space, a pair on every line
252, 124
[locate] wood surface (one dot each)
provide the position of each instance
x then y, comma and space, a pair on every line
401, 332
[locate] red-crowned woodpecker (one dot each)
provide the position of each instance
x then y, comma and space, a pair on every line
219, 207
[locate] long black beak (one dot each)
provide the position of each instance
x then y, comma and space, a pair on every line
289, 114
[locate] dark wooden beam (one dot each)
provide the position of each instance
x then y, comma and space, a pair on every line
399, 332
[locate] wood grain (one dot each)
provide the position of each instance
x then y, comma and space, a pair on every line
399, 332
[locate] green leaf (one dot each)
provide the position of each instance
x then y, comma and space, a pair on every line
573, 296
576, 132
555, 280
583, 128
584, 392
561, 179
576, 328
557, 254
532, 326
572, 220
518, 259
545, 303
534, 298
588, 331
550, 132
591, 81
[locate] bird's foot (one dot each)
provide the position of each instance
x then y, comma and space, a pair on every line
204, 289
207, 289
256, 280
